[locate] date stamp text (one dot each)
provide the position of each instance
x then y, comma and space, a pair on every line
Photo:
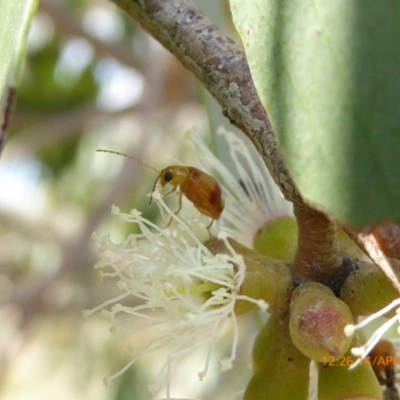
347, 361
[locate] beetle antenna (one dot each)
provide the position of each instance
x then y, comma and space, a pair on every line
131, 157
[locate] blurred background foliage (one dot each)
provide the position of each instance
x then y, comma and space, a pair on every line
93, 79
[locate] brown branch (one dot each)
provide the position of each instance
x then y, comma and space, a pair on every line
221, 66
317, 257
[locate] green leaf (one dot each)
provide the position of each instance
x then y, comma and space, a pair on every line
328, 74
15, 18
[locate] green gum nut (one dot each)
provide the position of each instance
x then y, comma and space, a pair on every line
367, 290
264, 340
270, 282
278, 239
317, 322
281, 370
266, 279
337, 382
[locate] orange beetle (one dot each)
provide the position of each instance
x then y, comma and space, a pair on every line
199, 187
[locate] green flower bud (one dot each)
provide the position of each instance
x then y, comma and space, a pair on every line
317, 322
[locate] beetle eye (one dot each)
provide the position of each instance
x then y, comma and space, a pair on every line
168, 176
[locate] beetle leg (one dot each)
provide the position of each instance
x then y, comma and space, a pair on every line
170, 192
209, 226
163, 195
179, 208
152, 190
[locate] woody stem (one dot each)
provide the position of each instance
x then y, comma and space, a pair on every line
317, 258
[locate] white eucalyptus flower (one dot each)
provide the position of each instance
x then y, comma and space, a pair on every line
170, 282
